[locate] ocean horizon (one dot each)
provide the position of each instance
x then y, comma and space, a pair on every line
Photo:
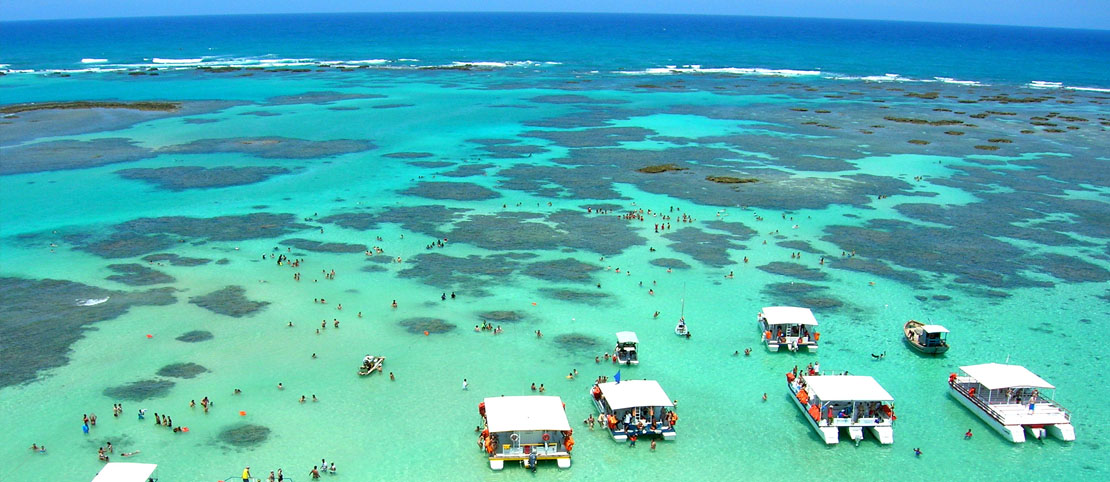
211, 206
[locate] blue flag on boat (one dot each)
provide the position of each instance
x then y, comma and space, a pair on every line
617, 377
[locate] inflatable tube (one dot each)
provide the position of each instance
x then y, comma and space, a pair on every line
514, 437
546, 436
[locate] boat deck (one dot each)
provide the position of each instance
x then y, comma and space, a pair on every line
1045, 413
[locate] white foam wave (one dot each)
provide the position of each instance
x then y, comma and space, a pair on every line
157, 60
267, 62
1088, 89
92, 301
949, 80
1043, 84
874, 78
698, 69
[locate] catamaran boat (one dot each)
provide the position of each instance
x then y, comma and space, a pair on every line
929, 339
833, 402
1009, 399
625, 352
371, 364
634, 407
125, 472
788, 326
525, 428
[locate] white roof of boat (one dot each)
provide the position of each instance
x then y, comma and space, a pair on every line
635, 393
788, 315
996, 375
842, 388
124, 472
934, 329
518, 414
627, 337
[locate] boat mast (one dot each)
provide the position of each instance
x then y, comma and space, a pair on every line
682, 315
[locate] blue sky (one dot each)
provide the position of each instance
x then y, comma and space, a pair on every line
1046, 13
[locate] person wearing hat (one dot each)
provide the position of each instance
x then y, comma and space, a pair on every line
247, 474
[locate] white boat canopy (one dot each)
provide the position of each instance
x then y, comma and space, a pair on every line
996, 375
788, 315
627, 337
846, 388
934, 329
124, 472
634, 393
526, 413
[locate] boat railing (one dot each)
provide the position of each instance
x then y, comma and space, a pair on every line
978, 403
1048, 401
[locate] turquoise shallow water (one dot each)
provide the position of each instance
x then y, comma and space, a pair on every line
1036, 298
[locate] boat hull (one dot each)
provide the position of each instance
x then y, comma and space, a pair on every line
1062, 431
928, 350
1013, 433
831, 435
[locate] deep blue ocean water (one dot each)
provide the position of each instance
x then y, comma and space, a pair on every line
581, 42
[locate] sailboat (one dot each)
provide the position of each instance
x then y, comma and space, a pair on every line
680, 329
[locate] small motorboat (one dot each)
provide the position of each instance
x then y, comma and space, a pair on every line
928, 339
370, 364
625, 351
